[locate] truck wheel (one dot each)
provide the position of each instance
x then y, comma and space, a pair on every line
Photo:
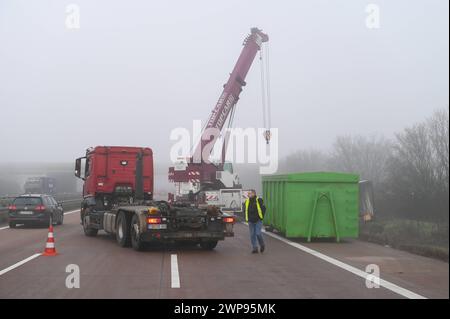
123, 230
88, 231
208, 245
12, 225
136, 241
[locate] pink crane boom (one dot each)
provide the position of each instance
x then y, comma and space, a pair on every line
233, 87
199, 170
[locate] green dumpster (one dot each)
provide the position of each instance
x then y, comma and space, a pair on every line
312, 205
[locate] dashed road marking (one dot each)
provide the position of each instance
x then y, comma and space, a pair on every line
175, 276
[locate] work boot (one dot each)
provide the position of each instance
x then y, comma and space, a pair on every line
255, 251
262, 248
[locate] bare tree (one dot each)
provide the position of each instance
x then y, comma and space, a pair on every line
366, 156
418, 170
438, 131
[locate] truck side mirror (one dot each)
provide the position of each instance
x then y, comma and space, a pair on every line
78, 168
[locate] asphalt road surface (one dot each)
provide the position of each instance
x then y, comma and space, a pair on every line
286, 270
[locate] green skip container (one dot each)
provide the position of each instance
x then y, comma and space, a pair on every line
312, 205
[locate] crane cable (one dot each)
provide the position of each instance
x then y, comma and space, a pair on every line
265, 90
269, 115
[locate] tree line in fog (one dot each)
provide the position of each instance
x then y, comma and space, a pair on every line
409, 172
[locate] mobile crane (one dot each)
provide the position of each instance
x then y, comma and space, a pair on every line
193, 177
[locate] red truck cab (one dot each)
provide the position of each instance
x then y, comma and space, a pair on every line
110, 170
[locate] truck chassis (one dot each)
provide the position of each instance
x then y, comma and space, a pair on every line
157, 221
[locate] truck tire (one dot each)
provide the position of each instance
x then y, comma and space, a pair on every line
123, 230
136, 241
208, 245
88, 231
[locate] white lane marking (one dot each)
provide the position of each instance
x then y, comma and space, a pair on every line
71, 212
6, 227
384, 283
175, 276
20, 263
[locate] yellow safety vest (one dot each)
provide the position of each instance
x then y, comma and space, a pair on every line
247, 203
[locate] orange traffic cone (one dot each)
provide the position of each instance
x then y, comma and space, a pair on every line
50, 249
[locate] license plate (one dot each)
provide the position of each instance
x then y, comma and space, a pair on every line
158, 226
26, 213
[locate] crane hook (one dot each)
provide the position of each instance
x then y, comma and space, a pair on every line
267, 136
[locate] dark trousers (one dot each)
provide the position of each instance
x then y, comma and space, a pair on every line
256, 234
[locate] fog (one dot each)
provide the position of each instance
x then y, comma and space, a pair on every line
345, 97
136, 70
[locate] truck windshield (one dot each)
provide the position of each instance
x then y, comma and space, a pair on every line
228, 167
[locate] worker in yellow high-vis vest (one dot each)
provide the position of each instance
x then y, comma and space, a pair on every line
254, 211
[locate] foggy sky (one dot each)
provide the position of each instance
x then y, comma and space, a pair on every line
137, 69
